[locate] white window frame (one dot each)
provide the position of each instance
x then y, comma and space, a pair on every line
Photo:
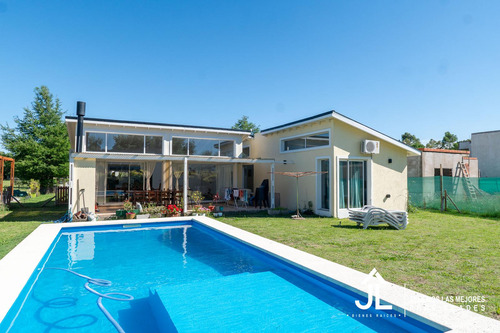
282, 141
344, 212
197, 138
323, 211
120, 133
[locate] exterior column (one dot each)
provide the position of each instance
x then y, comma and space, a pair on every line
235, 176
70, 185
272, 186
185, 190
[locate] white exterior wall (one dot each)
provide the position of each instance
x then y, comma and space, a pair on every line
84, 171
384, 178
486, 147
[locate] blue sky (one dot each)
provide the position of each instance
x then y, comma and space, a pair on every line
420, 66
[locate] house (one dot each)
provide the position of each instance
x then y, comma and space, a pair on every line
364, 166
485, 146
430, 161
110, 158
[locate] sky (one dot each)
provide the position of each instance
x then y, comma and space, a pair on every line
423, 67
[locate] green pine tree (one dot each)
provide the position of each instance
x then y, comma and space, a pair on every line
39, 143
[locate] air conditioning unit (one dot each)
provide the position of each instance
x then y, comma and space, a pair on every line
370, 147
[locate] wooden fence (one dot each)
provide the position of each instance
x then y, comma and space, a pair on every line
62, 195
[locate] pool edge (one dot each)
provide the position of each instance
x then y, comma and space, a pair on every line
18, 265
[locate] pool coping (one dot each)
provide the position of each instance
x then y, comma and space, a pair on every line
18, 265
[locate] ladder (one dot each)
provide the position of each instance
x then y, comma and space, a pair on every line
469, 188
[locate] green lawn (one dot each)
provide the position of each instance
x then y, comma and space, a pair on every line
18, 222
438, 254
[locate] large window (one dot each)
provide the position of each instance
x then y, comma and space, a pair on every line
96, 142
124, 143
353, 184
308, 141
202, 147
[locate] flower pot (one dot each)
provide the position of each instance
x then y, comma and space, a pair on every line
130, 216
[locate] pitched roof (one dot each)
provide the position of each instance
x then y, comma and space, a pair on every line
344, 119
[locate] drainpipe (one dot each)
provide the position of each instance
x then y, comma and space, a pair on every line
80, 112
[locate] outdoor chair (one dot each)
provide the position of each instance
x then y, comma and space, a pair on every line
371, 216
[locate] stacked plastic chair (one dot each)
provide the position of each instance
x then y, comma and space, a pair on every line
370, 215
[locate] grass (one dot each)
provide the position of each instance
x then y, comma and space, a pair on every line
17, 222
440, 255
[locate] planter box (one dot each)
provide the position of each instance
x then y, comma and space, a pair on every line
121, 213
142, 216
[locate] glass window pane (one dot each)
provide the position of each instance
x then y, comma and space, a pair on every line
154, 144
179, 146
126, 143
246, 152
325, 184
356, 184
96, 141
344, 181
294, 144
227, 148
136, 177
317, 140
117, 182
204, 147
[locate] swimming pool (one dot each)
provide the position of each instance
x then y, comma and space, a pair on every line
187, 276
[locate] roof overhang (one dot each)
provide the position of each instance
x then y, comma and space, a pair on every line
335, 115
142, 157
147, 125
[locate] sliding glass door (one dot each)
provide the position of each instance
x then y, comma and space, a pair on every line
352, 184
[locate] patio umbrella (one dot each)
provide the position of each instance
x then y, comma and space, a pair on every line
297, 175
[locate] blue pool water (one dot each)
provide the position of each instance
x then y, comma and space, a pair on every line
185, 278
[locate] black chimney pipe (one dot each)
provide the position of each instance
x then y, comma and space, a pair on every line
80, 112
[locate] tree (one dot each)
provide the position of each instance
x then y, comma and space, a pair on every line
411, 140
245, 125
449, 141
433, 144
39, 143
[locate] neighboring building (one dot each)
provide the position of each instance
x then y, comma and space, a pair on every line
429, 162
116, 157
485, 146
464, 145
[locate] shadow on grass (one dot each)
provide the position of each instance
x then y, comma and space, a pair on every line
350, 225
32, 211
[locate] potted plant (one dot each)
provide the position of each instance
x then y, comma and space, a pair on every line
129, 209
172, 210
153, 210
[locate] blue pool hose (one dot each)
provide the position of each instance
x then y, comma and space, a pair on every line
101, 283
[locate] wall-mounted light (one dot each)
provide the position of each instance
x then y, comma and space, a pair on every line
390, 161
387, 196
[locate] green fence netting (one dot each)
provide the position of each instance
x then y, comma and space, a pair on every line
474, 195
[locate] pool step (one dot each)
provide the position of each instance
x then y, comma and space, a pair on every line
244, 302
138, 318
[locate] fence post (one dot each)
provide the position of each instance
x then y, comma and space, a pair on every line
441, 184
445, 201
